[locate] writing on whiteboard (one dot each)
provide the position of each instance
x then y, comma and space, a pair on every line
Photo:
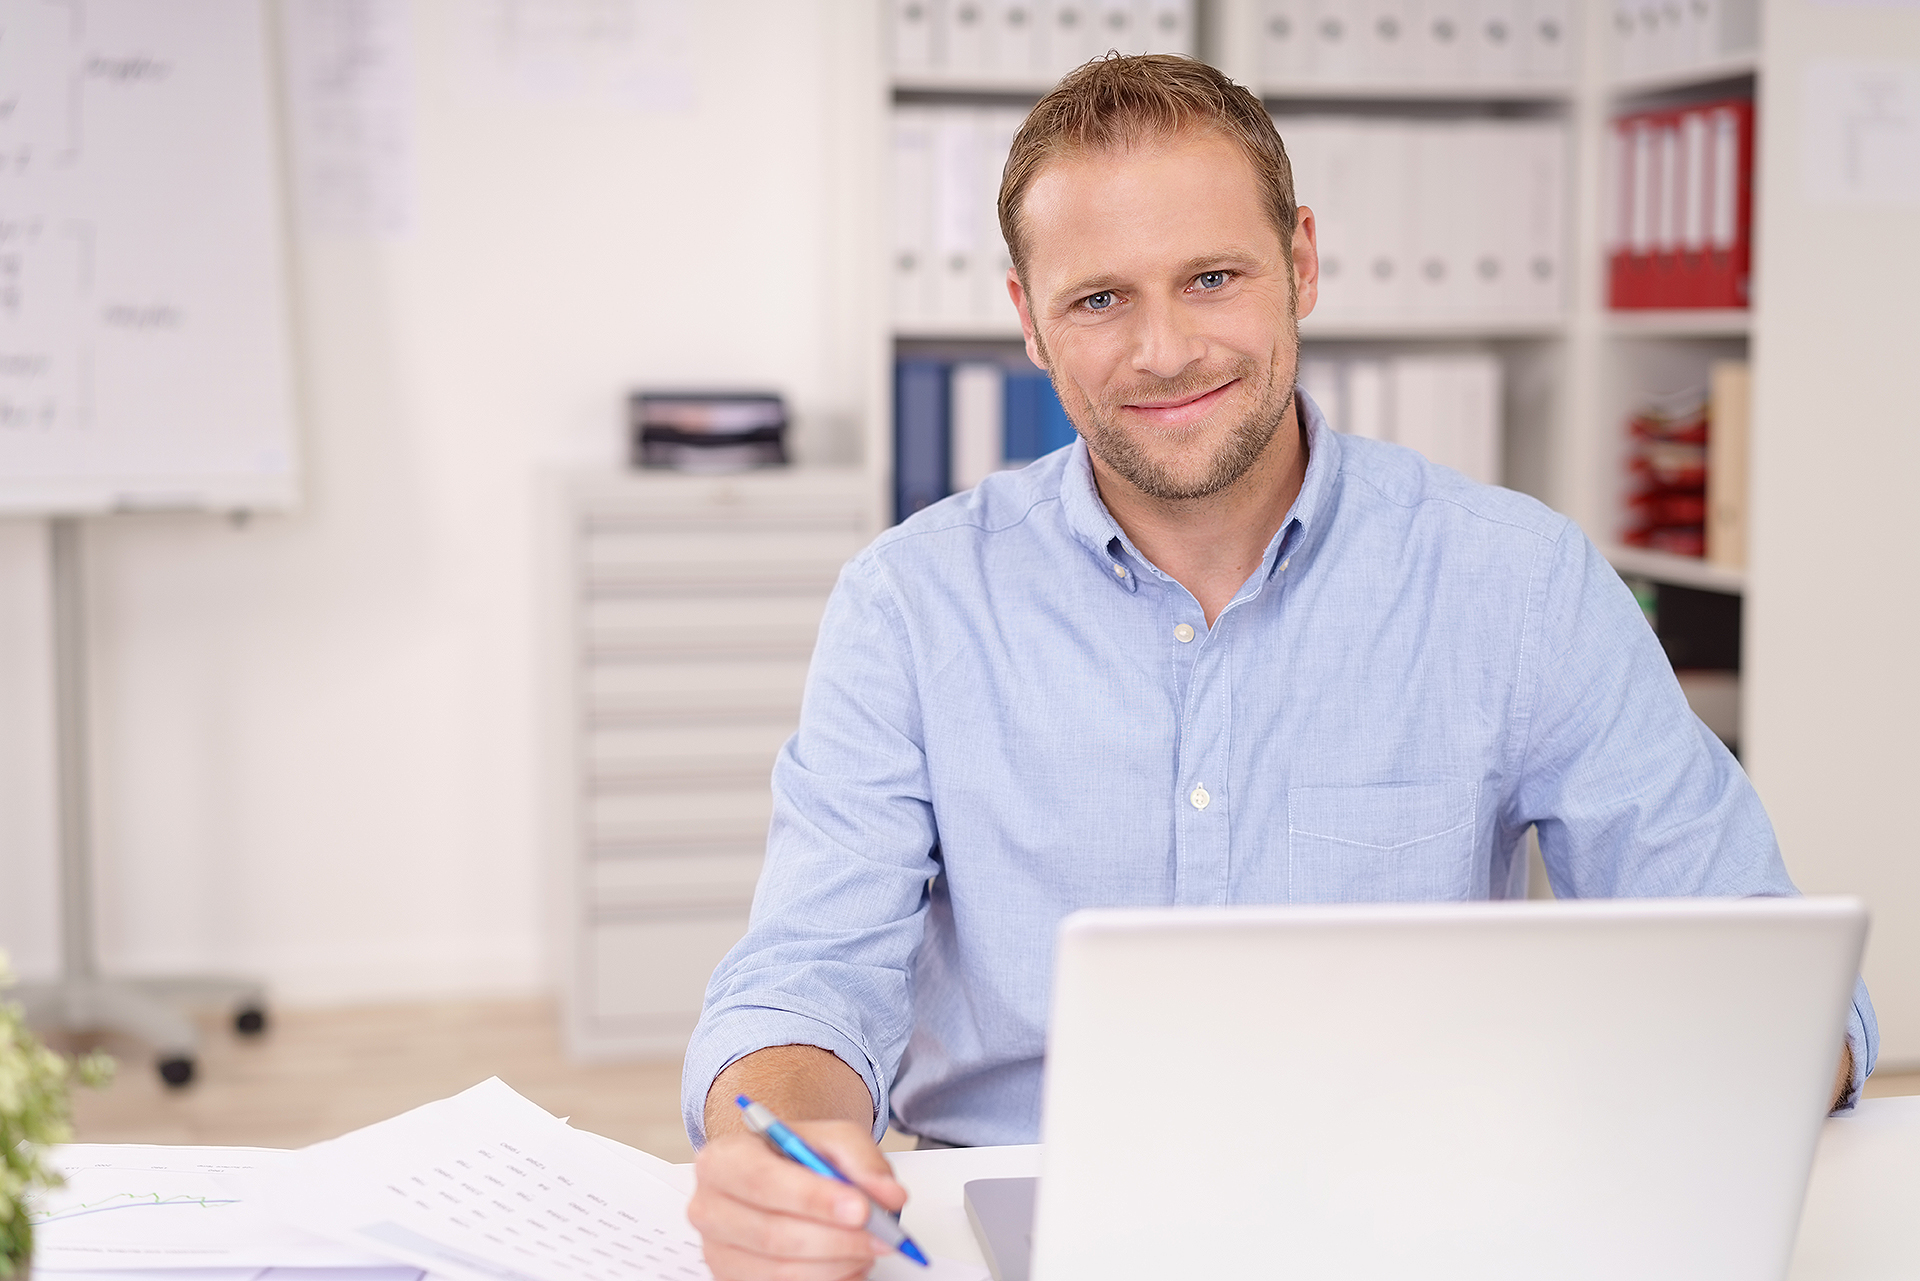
143, 344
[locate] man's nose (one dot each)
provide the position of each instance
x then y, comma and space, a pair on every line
1166, 339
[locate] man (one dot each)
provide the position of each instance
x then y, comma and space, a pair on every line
1213, 653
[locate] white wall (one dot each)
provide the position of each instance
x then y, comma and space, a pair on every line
1832, 724
316, 734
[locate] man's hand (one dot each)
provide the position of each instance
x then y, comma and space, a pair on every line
762, 1216
759, 1215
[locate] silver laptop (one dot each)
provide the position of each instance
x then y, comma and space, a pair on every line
1500, 1090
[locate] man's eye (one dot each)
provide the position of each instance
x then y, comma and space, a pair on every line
1212, 279
1098, 302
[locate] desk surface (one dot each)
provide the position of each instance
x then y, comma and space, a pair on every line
1861, 1223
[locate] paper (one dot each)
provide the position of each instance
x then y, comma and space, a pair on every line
387, 1272
349, 78
487, 1186
134, 1206
1860, 133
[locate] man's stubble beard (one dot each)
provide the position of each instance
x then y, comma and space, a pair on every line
1244, 445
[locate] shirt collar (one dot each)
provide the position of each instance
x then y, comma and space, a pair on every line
1095, 528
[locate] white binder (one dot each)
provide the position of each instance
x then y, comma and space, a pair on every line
1116, 27
1442, 45
1548, 38
911, 28
1013, 36
1169, 26
1324, 380
1284, 37
977, 417
957, 199
1334, 46
1386, 36
969, 45
1368, 409
1383, 230
1494, 45
1543, 274
1073, 37
913, 181
1436, 194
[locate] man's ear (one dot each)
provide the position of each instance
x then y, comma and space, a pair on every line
1306, 262
1019, 296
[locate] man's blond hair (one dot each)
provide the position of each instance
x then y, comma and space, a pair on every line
1118, 101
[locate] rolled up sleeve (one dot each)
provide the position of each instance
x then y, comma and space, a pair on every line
838, 914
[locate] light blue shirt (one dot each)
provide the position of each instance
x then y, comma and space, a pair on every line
1012, 714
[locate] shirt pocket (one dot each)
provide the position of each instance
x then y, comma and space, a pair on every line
1381, 843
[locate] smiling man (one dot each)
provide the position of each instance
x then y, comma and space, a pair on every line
1212, 653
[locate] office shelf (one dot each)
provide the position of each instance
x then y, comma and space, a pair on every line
1705, 322
1681, 571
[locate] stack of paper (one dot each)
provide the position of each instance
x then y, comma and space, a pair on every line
484, 1186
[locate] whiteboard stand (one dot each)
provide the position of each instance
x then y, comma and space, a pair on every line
82, 1000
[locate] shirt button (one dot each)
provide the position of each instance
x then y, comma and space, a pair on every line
1119, 571
1183, 633
1200, 797
1285, 563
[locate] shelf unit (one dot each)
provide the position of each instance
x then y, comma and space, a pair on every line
1571, 383
681, 613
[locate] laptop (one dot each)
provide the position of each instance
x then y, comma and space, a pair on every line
1627, 1088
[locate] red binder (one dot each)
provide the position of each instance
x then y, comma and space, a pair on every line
1680, 221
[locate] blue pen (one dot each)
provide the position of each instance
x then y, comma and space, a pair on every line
788, 1144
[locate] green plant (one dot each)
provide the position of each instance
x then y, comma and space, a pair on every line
34, 1115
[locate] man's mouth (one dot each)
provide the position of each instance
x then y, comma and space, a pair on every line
1178, 411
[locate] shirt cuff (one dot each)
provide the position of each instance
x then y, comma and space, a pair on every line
728, 1034
1863, 1038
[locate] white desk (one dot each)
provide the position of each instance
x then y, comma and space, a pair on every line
1862, 1219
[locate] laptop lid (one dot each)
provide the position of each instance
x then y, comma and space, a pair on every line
1493, 1090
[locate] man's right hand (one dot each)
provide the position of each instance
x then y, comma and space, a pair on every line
761, 1216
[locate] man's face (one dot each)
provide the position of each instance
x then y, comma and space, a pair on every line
1162, 302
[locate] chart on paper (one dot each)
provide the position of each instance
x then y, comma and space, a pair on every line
141, 1207
144, 351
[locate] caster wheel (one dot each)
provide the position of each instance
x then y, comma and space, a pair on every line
176, 1072
251, 1021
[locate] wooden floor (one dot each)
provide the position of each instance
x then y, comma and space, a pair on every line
317, 1074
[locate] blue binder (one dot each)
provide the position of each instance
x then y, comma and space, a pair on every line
921, 469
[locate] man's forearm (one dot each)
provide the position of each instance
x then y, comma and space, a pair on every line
1841, 1080
797, 1082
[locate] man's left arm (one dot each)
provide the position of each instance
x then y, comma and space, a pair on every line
1631, 795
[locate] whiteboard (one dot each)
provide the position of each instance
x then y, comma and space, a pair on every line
144, 352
